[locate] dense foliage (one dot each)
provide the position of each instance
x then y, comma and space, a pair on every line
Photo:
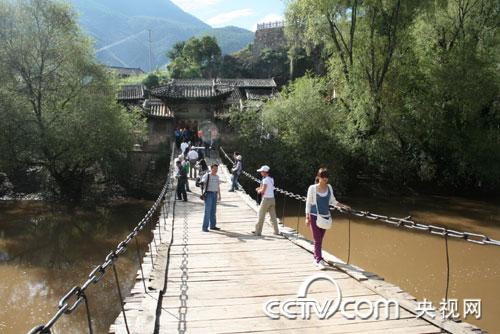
58, 112
410, 97
201, 58
195, 58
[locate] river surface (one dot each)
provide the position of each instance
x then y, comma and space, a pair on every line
46, 250
416, 261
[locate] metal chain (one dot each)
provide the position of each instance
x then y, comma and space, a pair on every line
183, 297
406, 222
78, 292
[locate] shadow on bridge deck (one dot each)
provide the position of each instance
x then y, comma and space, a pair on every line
218, 282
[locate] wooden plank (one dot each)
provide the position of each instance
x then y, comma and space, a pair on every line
230, 274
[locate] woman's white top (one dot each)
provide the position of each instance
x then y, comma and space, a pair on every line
311, 197
323, 194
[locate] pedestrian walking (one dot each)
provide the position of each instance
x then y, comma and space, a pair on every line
210, 196
320, 197
184, 146
236, 171
177, 137
186, 166
181, 182
192, 156
268, 202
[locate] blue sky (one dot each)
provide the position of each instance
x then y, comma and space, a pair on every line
240, 13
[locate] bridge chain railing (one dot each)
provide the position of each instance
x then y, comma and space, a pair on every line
66, 307
183, 295
406, 222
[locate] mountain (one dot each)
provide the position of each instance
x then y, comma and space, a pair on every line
120, 29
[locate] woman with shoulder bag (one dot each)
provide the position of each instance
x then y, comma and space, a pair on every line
319, 199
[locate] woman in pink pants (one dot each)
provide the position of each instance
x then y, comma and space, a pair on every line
319, 199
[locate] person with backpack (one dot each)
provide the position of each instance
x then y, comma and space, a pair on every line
319, 199
236, 171
268, 203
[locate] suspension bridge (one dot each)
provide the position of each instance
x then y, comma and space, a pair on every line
230, 281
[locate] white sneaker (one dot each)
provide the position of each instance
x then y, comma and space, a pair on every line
321, 265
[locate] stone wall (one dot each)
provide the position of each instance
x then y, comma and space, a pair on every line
160, 131
271, 38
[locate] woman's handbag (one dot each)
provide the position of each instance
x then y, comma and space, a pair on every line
324, 222
204, 196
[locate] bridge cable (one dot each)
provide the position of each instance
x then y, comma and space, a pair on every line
122, 303
140, 265
167, 266
183, 296
406, 222
77, 292
349, 241
447, 268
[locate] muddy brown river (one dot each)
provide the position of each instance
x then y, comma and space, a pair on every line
416, 261
44, 251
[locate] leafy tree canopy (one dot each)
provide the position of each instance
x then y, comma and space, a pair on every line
57, 107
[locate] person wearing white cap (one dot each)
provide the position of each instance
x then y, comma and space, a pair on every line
268, 203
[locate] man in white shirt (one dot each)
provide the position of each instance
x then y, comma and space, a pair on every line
212, 195
192, 156
184, 145
268, 203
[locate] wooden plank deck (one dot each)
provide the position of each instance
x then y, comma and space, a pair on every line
222, 278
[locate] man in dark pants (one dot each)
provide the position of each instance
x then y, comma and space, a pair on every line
181, 182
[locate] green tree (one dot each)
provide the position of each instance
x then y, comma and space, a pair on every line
410, 97
451, 96
361, 39
152, 80
195, 58
58, 109
299, 129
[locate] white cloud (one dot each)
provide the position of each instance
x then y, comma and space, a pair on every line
189, 5
229, 16
269, 18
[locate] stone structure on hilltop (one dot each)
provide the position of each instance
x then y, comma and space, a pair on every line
269, 36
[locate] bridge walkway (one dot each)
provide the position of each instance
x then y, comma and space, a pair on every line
218, 282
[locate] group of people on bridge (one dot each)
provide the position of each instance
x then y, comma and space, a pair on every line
206, 138
320, 196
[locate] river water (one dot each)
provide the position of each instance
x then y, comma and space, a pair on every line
416, 261
46, 250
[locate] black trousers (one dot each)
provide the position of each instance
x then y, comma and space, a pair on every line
181, 189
